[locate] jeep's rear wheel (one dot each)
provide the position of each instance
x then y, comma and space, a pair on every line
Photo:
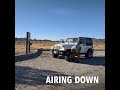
89, 54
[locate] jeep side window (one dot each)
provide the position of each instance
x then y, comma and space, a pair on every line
82, 41
89, 42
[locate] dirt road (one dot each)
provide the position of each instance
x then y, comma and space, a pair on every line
30, 74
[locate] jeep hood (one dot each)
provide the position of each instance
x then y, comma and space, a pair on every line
66, 45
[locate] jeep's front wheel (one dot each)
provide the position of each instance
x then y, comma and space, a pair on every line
68, 58
89, 54
55, 55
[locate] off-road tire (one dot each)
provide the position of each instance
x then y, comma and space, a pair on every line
68, 58
55, 55
89, 54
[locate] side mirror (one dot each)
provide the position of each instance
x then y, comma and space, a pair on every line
62, 41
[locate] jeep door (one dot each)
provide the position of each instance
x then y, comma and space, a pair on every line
82, 43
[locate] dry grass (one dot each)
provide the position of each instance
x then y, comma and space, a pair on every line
99, 45
20, 46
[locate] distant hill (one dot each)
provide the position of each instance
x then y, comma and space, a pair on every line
23, 39
20, 39
99, 40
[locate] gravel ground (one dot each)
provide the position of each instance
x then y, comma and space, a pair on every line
30, 74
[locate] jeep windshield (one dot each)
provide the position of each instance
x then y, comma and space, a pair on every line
72, 40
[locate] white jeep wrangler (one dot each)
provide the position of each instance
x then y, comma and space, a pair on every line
65, 48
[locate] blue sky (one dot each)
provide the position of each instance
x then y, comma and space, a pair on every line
59, 19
